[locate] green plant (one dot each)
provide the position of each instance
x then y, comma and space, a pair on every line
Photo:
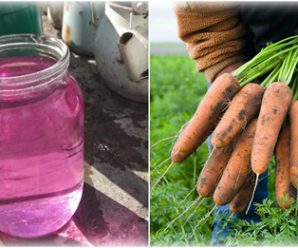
277, 227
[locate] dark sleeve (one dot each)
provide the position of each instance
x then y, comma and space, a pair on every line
269, 22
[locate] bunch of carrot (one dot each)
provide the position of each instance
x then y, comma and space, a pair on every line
249, 123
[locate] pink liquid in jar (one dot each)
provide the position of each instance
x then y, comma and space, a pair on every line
41, 152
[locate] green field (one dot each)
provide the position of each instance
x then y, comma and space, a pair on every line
176, 90
164, 45
167, 48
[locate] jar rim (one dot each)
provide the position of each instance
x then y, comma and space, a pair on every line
47, 45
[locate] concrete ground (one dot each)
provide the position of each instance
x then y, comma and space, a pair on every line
113, 210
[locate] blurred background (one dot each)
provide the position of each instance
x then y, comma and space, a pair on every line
163, 30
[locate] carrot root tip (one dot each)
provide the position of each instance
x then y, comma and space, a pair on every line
253, 194
162, 176
195, 202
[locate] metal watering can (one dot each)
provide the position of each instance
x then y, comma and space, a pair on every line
121, 50
80, 22
116, 33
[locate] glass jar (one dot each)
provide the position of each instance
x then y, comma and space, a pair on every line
41, 136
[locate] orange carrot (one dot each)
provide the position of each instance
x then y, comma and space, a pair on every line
240, 201
244, 106
238, 167
284, 190
294, 144
275, 105
213, 170
206, 116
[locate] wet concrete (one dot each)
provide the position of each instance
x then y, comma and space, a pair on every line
113, 210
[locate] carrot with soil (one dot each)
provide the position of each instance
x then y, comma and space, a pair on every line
242, 198
213, 169
238, 167
275, 105
244, 106
294, 143
284, 190
206, 117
